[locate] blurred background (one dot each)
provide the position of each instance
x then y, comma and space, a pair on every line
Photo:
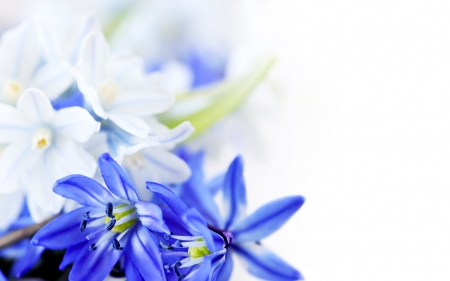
354, 116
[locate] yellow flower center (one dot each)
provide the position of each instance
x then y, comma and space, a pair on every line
198, 252
12, 91
123, 226
42, 139
107, 91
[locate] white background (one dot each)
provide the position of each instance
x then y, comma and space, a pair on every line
364, 135
363, 132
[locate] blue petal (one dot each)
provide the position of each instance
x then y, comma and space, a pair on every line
267, 219
26, 262
213, 241
97, 264
264, 264
175, 224
204, 270
167, 196
62, 232
72, 97
71, 254
234, 195
227, 268
145, 254
150, 216
194, 193
131, 271
2, 277
215, 184
84, 190
116, 179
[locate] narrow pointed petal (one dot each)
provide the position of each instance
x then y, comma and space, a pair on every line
176, 135
142, 104
150, 216
227, 268
10, 207
145, 255
264, 264
75, 123
53, 79
72, 254
13, 163
2, 276
36, 106
267, 219
62, 232
24, 264
131, 124
116, 179
131, 271
216, 184
194, 220
234, 194
167, 196
165, 166
96, 265
13, 124
84, 190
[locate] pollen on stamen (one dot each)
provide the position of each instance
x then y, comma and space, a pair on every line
42, 139
12, 90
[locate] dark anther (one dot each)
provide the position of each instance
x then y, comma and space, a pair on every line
226, 235
258, 242
83, 225
86, 216
167, 236
181, 278
166, 247
109, 210
92, 247
110, 224
116, 245
177, 272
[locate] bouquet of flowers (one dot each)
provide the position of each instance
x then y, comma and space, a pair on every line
101, 167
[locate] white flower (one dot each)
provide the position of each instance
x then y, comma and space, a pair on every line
43, 146
116, 87
22, 65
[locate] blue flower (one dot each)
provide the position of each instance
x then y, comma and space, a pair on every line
194, 249
247, 231
113, 227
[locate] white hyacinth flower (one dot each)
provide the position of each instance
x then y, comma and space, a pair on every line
22, 65
43, 145
116, 87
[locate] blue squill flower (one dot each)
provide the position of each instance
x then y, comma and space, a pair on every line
113, 227
247, 231
194, 250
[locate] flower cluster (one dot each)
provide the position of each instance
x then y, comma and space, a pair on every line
144, 212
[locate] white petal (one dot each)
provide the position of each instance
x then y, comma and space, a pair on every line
168, 167
176, 135
13, 124
90, 70
142, 104
75, 123
76, 35
36, 106
10, 207
38, 211
20, 52
132, 124
53, 78
13, 164
74, 158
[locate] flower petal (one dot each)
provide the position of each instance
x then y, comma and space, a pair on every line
142, 104
132, 124
116, 179
145, 255
165, 166
53, 78
234, 195
150, 216
24, 264
267, 219
84, 190
62, 232
194, 220
264, 264
167, 196
11, 205
131, 271
215, 184
13, 124
96, 265
35, 104
176, 135
203, 272
72, 254
75, 123
226, 269
13, 162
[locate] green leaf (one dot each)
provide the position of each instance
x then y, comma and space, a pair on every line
204, 108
